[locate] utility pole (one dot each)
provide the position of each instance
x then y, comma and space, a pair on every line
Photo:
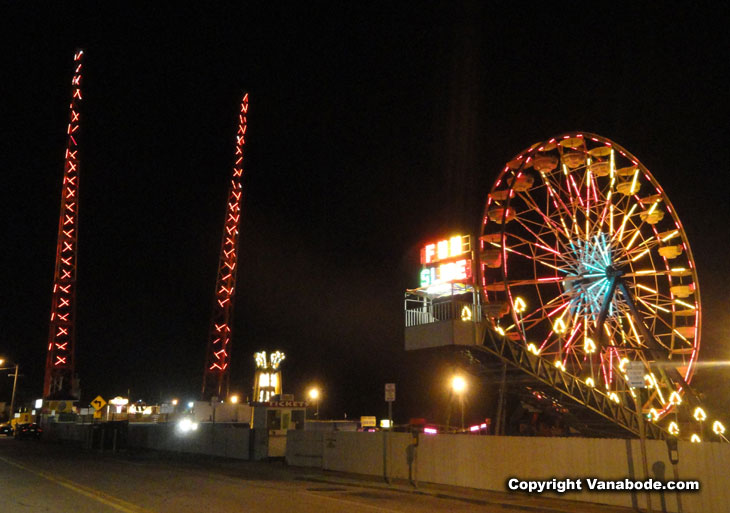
12, 397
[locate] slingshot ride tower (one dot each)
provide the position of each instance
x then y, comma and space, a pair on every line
59, 380
582, 271
218, 353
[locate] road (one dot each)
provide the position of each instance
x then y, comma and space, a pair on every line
43, 477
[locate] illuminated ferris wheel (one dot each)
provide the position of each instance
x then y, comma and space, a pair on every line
585, 262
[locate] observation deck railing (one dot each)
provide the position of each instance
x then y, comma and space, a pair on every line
419, 312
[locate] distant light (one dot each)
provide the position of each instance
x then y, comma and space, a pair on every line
718, 428
186, 425
622, 364
174, 402
675, 399
520, 305
699, 414
191, 404
119, 401
234, 399
695, 439
590, 382
385, 423
194, 426
276, 358
458, 384
260, 358
673, 428
38, 404
466, 313
430, 431
314, 393
474, 428
589, 346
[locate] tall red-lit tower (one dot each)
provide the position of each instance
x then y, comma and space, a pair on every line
59, 375
218, 354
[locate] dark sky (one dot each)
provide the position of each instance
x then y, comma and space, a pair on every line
372, 129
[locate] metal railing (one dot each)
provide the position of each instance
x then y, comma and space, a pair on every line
419, 312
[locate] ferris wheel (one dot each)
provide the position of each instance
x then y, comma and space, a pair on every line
585, 262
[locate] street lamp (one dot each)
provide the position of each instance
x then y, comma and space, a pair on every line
233, 399
314, 396
15, 384
458, 387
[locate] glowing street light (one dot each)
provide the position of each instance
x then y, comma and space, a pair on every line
458, 384
458, 387
174, 402
314, 396
234, 399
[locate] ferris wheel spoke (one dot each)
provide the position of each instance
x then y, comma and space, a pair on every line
558, 203
535, 208
542, 247
528, 257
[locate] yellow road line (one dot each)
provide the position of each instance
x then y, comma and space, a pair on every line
104, 498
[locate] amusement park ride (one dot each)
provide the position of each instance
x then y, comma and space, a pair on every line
218, 354
582, 271
59, 381
581, 277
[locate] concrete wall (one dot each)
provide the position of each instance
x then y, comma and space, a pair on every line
65, 431
220, 439
487, 462
225, 440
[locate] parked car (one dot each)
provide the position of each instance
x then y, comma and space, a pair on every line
6, 429
32, 430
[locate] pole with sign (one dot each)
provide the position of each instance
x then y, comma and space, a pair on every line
635, 379
389, 398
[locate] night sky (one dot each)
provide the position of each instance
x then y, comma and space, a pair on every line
372, 130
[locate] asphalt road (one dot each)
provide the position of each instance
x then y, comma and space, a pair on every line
44, 477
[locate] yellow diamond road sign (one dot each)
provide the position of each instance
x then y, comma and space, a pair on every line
98, 403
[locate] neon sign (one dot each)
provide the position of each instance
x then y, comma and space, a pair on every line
446, 261
444, 249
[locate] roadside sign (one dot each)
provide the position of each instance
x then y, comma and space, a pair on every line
98, 403
635, 374
367, 422
59, 406
97, 414
390, 392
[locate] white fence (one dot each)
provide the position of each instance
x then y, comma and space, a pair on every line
487, 462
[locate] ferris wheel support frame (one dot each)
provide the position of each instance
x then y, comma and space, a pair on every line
516, 355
